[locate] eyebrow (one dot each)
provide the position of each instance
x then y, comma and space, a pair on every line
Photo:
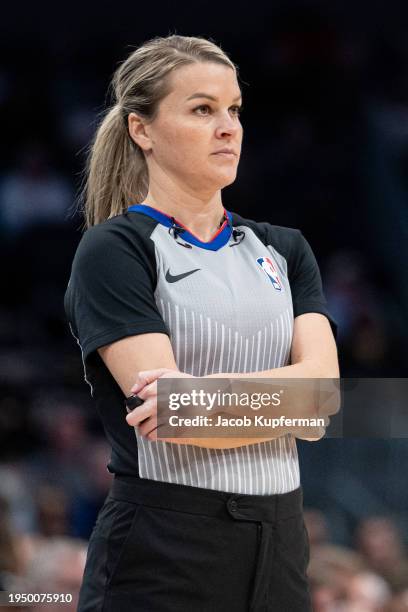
204, 95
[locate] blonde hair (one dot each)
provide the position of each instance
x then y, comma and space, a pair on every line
116, 173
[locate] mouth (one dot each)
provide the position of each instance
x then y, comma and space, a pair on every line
227, 154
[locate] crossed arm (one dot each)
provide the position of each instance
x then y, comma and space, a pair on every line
136, 362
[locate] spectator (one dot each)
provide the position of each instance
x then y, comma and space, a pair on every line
57, 566
330, 570
380, 543
366, 592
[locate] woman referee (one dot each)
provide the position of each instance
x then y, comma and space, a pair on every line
168, 283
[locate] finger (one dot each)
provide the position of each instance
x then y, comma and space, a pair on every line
140, 413
149, 390
153, 424
312, 434
138, 384
147, 376
147, 426
152, 436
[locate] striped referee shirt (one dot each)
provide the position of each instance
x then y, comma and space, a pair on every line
227, 305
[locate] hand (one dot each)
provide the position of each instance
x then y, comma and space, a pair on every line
145, 416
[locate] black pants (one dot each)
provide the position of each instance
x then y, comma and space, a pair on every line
161, 547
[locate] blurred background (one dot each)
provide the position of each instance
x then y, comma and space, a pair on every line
325, 92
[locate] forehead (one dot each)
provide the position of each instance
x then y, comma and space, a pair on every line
217, 80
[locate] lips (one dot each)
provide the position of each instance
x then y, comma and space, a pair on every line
225, 152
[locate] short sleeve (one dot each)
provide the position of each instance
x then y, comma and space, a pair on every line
305, 281
110, 294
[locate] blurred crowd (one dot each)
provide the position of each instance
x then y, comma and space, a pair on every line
372, 576
325, 150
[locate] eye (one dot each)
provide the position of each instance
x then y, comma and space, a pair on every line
200, 108
205, 109
237, 110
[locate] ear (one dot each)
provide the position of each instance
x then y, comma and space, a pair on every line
138, 131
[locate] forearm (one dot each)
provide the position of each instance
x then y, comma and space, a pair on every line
222, 442
236, 442
305, 369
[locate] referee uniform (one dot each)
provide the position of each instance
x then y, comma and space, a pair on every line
185, 526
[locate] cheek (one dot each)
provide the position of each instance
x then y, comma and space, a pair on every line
184, 144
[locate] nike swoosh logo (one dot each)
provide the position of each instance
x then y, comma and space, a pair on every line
173, 279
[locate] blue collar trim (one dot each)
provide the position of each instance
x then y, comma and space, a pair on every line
219, 241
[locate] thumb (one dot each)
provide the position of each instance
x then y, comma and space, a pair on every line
146, 377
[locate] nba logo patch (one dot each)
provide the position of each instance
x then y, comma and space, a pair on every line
267, 266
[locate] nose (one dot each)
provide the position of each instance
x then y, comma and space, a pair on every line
227, 126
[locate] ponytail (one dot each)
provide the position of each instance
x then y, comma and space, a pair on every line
116, 171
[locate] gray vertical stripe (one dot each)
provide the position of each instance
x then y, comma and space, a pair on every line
143, 449
219, 471
270, 347
258, 350
208, 346
160, 458
222, 349
166, 457
169, 311
289, 343
181, 462
240, 369
185, 341
173, 472
229, 349
255, 462
276, 342
264, 350
239, 479
151, 460
228, 453
193, 448
235, 352
264, 468
280, 464
224, 480
211, 464
261, 463
201, 343
193, 350
215, 347
177, 335
246, 451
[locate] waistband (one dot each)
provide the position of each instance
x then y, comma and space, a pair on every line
207, 502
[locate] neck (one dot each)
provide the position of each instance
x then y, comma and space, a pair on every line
201, 215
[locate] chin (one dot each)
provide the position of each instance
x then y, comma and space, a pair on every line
224, 179
229, 181
212, 181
